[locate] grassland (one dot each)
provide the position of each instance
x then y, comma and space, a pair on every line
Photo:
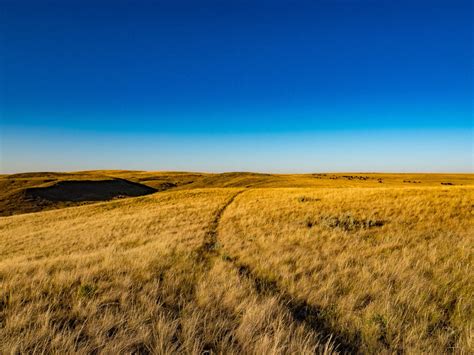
240, 263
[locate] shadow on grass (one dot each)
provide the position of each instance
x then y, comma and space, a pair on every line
301, 311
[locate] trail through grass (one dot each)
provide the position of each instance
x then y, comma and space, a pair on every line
239, 270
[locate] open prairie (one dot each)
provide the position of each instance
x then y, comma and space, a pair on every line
163, 262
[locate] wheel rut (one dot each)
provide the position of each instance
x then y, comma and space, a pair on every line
209, 245
311, 316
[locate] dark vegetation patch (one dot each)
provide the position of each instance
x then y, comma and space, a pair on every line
89, 190
86, 290
355, 177
412, 181
308, 199
346, 222
347, 177
351, 177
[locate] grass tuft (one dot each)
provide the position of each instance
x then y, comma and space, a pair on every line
86, 290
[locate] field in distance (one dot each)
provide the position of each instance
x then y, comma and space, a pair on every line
160, 262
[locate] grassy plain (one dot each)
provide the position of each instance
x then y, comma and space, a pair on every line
242, 263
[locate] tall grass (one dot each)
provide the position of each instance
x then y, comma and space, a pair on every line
124, 277
378, 270
390, 269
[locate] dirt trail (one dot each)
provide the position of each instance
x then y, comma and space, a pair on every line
209, 245
203, 258
302, 312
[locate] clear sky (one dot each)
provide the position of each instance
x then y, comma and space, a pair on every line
276, 86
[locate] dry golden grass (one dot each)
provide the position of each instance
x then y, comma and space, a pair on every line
332, 267
131, 276
389, 269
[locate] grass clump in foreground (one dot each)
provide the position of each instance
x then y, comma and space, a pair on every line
232, 270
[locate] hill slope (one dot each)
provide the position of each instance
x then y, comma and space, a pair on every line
33, 192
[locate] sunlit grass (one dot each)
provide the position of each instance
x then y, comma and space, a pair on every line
279, 270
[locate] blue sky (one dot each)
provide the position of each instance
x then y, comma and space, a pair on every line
278, 86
